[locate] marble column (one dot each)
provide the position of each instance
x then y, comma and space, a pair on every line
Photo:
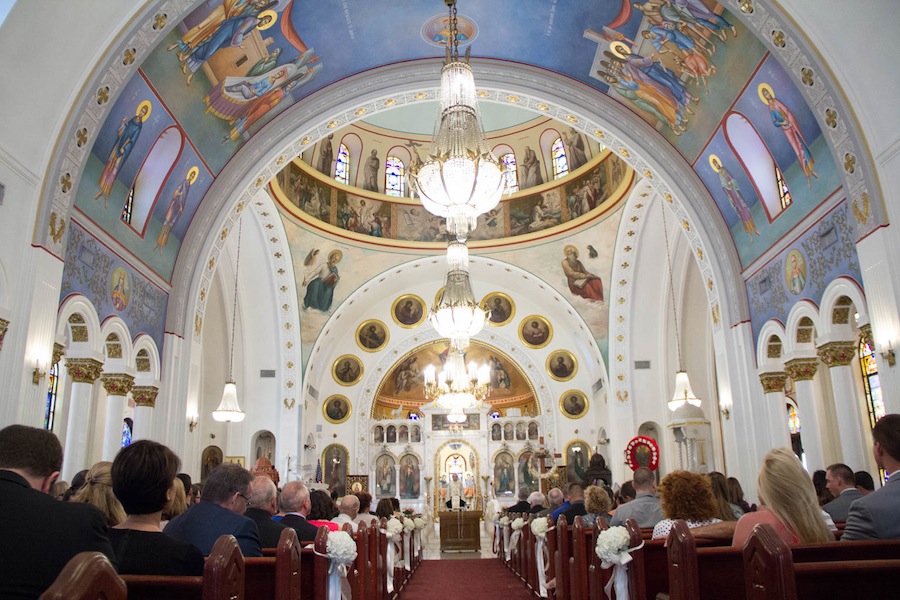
803, 371
776, 408
83, 372
117, 386
838, 356
144, 403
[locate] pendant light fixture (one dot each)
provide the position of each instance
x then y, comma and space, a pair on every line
229, 410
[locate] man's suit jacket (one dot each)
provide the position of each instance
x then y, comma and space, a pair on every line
203, 523
576, 509
306, 531
269, 530
39, 534
644, 509
875, 516
840, 506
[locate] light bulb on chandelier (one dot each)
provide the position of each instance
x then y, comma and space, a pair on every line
457, 387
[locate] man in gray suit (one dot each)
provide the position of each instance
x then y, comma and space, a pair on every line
645, 507
841, 482
877, 516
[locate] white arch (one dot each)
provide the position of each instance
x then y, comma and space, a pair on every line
842, 286
803, 308
772, 328
78, 304
144, 342
115, 324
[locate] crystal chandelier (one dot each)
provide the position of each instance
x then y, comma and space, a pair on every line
229, 409
457, 387
461, 178
457, 314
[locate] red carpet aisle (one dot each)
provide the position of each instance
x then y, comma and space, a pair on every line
464, 580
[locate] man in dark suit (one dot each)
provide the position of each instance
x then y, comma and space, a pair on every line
220, 512
39, 534
295, 500
877, 516
522, 506
576, 503
841, 482
263, 506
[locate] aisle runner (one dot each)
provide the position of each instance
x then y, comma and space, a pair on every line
464, 579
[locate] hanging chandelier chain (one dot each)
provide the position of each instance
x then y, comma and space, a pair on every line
237, 268
453, 42
671, 284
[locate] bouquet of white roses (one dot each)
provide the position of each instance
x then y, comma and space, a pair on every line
408, 524
540, 526
612, 546
419, 522
504, 521
518, 524
394, 527
341, 548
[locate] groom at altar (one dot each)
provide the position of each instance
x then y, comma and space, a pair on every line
455, 493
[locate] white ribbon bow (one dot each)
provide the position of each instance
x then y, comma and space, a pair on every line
513, 543
620, 572
506, 546
543, 561
406, 545
389, 567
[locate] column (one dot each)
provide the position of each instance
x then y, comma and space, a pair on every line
117, 386
802, 371
144, 402
838, 356
83, 372
776, 408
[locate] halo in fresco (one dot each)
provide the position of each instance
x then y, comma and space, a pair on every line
119, 288
436, 30
795, 272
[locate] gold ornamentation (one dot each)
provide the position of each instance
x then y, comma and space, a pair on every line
699, 253
747, 7
103, 95
849, 163
862, 215
686, 225
630, 233
801, 369
621, 300
142, 363
773, 382
211, 264
289, 384
715, 315
481, 94
620, 318
259, 181
285, 307
113, 346
81, 137
332, 124
347, 370
773, 349
648, 174
84, 370
865, 334
561, 365
831, 118
709, 284
620, 357
573, 404
289, 345
56, 233
287, 325
278, 255
273, 239
837, 354
778, 38
117, 384
306, 140
337, 409
289, 364
423, 95
223, 234
535, 331
409, 311
621, 377
807, 77
627, 248
144, 395
58, 349
599, 133
571, 118
202, 294
623, 282
283, 288
281, 159
543, 106
512, 99
4, 327
620, 338
635, 218
65, 182
668, 198
198, 324
624, 152
390, 102
290, 405
361, 111
128, 56
160, 20
620, 395
625, 265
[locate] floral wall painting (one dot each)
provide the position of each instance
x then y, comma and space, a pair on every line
795, 272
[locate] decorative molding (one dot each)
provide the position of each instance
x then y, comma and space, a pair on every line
117, 384
144, 395
773, 382
4, 327
58, 351
837, 354
865, 333
84, 370
802, 369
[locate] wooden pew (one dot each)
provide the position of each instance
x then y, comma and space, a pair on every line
581, 540
87, 576
657, 561
563, 559
276, 576
374, 588
357, 573
637, 569
319, 587
223, 578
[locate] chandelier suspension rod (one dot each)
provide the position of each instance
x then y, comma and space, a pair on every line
237, 268
671, 285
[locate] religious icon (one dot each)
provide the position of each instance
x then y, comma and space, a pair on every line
372, 335
385, 477
577, 458
391, 434
508, 431
347, 369
409, 477
496, 432
520, 431
336, 409
795, 272
126, 137
502, 308
528, 475
504, 478
403, 434
532, 431
561, 365
358, 483
573, 404
415, 434
535, 331
378, 436
119, 288
335, 459
408, 311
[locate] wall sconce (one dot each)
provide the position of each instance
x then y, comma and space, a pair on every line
38, 374
192, 424
889, 356
726, 412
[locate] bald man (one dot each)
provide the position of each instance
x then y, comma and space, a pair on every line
263, 506
349, 508
295, 500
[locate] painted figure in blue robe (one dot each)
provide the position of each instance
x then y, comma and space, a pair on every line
230, 33
127, 136
320, 283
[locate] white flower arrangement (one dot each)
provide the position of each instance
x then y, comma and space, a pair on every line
408, 524
341, 548
518, 524
504, 521
419, 522
612, 546
540, 526
394, 527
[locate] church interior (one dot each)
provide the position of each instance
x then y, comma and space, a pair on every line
206, 192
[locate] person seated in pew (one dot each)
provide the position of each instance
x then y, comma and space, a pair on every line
555, 499
789, 503
725, 510
322, 510
38, 534
597, 503
688, 496
385, 509
576, 502
263, 494
736, 496
220, 512
841, 483
626, 494
143, 479
522, 506
178, 506
297, 504
365, 503
97, 490
864, 482
537, 502
645, 508
877, 516
348, 510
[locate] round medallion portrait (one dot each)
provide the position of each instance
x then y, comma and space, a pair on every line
372, 335
347, 370
573, 404
336, 409
561, 365
502, 308
408, 311
535, 331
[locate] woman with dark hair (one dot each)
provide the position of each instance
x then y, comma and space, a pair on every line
365, 504
143, 479
822, 492
688, 496
385, 509
395, 504
736, 495
322, 510
725, 510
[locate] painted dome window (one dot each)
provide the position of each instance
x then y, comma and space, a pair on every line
783, 190
394, 177
510, 174
560, 161
151, 178
342, 165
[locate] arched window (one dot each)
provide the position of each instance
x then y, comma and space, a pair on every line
784, 193
342, 165
759, 165
394, 177
151, 178
871, 386
560, 162
510, 174
52, 390
793, 420
127, 428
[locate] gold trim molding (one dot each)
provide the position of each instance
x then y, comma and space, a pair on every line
4, 327
773, 382
802, 369
837, 354
117, 384
145, 395
84, 370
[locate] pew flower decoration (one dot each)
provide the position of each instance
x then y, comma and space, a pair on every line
504, 521
341, 547
408, 524
612, 548
394, 527
518, 524
419, 522
539, 526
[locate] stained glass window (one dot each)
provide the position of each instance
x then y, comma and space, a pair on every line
510, 174
783, 192
129, 204
127, 426
52, 389
342, 165
394, 177
793, 419
871, 382
560, 162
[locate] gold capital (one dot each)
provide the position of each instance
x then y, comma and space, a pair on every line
802, 369
773, 382
117, 384
84, 370
865, 333
144, 395
58, 351
837, 354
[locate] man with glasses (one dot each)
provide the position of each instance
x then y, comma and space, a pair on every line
226, 493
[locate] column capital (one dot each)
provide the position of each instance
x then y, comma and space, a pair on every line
837, 354
117, 384
773, 382
58, 351
802, 369
84, 370
144, 395
4, 326
865, 332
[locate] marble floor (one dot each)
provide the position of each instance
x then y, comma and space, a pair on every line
433, 547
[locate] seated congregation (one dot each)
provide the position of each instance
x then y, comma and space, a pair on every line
694, 536
136, 528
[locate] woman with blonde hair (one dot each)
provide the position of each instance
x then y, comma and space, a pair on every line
597, 503
177, 506
98, 491
789, 503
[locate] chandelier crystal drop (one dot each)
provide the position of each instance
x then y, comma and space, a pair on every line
461, 178
457, 387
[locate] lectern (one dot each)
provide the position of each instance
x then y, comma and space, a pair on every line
460, 531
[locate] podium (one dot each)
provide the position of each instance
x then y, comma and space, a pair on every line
460, 530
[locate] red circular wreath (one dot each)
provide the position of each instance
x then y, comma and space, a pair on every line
642, 441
